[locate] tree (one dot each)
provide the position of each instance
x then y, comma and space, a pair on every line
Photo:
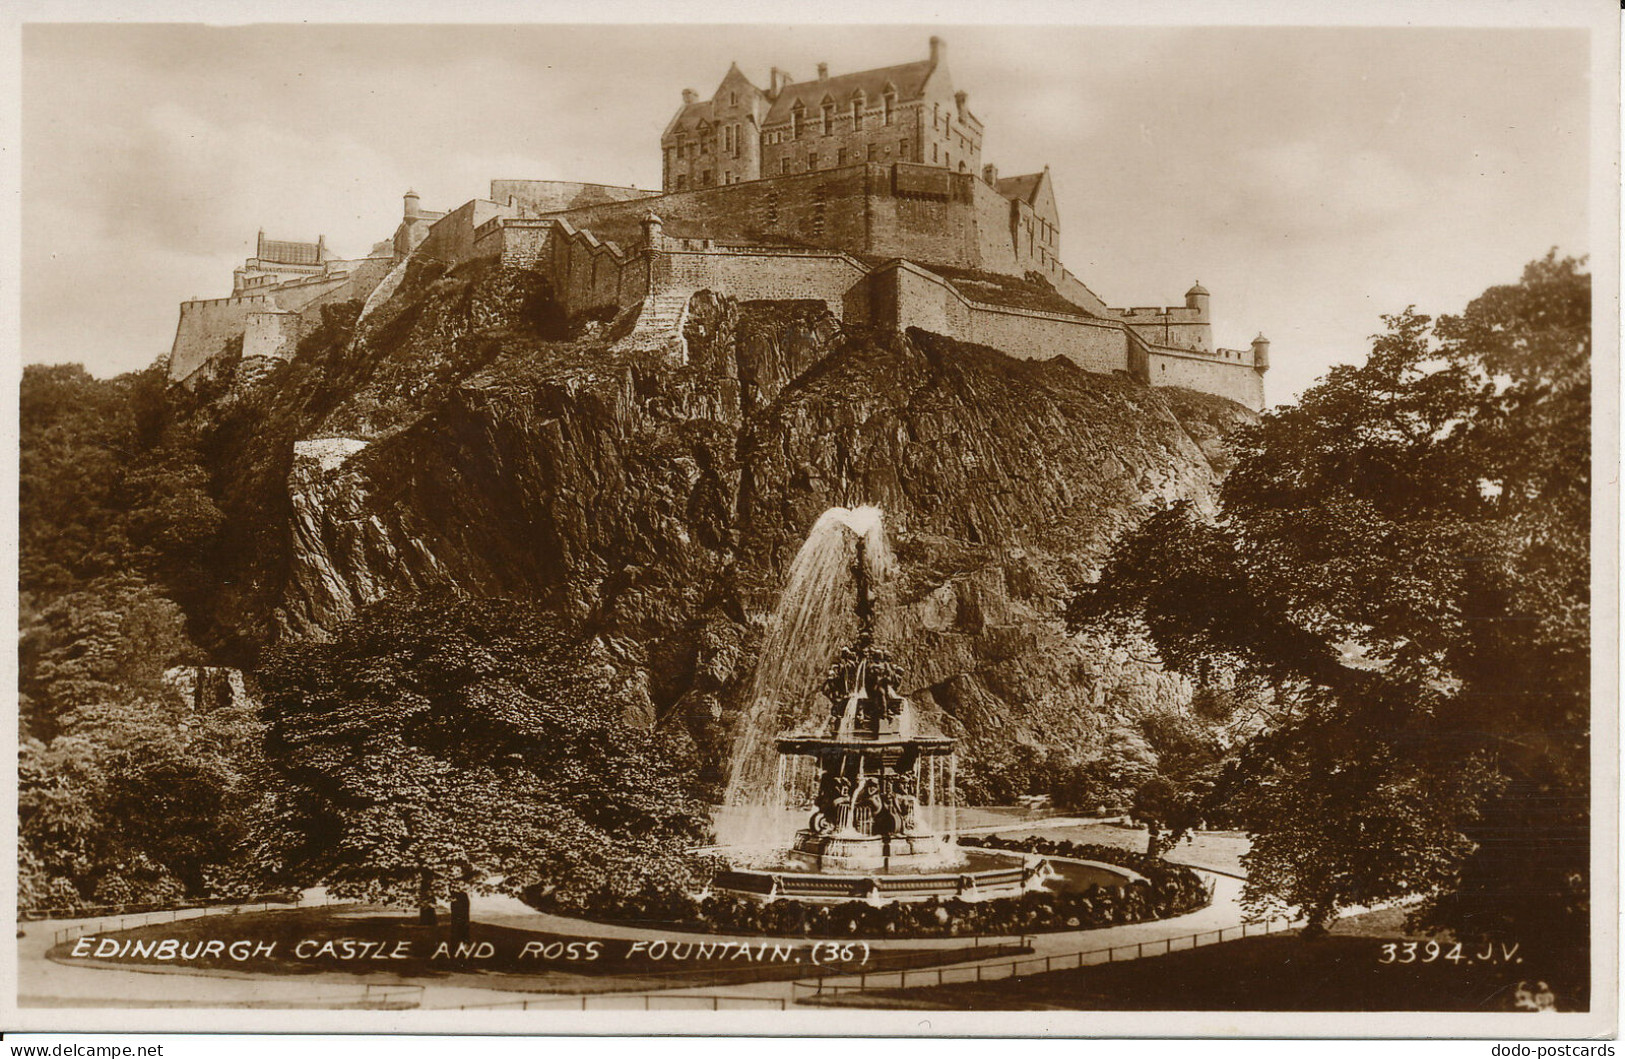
1402, 559
447, 744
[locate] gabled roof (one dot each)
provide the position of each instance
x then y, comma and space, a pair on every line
1021, 188
688, 116
909, 80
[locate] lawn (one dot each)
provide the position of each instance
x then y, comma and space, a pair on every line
1216, 850
1349, 970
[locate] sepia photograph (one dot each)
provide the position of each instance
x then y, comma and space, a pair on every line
531, 525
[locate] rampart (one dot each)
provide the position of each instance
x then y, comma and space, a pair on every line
1225, 372
270, 319
904, 295
534, 197
205, 326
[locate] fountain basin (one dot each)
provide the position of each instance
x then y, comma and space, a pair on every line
974, 875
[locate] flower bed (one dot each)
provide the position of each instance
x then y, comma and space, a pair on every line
1167, 890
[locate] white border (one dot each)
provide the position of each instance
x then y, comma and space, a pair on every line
1600, 16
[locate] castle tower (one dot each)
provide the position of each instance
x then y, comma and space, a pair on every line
1261, 354
1196, 300
409, 202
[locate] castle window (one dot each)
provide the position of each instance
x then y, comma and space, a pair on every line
934, 153
733, 99
728, 138
784, 165
840, 156
962, 169
857, 111
812, 162
888, 104
902, 150
738, 139
936, 116
829, 117
682, 181
705, 179
874, 152
798, 120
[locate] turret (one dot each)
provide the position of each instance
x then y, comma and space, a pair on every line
653, 231
1196, 299
409, 202
1261, 354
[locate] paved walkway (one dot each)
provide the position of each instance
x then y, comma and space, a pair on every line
43, 982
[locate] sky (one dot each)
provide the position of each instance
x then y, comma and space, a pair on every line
1312, 179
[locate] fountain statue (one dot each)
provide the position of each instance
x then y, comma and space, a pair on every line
883, 822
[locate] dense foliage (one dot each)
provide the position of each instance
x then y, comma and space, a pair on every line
1398, 583
448, 744
127, 790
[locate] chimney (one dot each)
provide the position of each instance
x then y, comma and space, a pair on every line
959, 102
777, 80
823, 71
939, 51
690, 96
990, 175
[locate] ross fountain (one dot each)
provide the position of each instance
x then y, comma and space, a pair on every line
884, 824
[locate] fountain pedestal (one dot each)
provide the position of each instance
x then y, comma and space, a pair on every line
870, 835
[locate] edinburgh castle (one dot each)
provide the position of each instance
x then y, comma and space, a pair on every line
866, 191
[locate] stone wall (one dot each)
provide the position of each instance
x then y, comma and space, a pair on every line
533, 197
1177, 326
771, 275
451, 238
1226, 372
915, 211
274, 333
204, 327
913, 297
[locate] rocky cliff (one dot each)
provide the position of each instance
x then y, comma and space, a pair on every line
461, 431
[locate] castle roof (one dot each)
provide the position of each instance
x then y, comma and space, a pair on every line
1021, 188
908, 79
1196, 288
282, 252
689, 115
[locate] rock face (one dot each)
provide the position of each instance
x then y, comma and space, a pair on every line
461, 435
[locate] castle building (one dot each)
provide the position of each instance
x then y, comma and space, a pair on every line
907, 113
864, 190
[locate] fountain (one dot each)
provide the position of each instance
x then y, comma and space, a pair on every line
883, 825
